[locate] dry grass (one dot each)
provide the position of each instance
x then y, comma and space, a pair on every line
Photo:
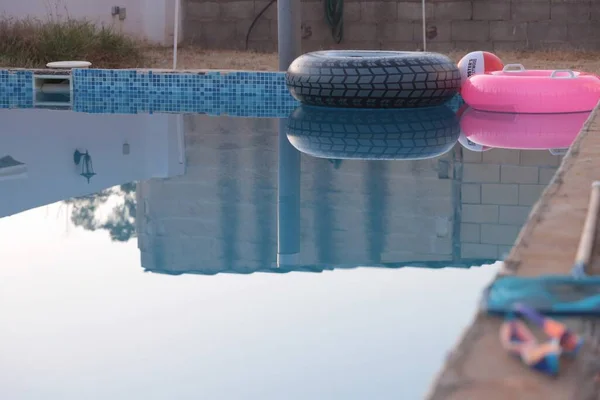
32, 43
193, 58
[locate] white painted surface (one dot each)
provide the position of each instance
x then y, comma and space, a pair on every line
46, 140
152, 20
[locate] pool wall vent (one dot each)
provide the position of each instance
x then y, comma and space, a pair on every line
53, 90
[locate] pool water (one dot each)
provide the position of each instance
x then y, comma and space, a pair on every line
192, 256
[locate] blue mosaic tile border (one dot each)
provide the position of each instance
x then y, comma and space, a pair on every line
16, 89
242, 94
257, 94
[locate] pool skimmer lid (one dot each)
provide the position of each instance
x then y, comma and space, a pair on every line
68, 64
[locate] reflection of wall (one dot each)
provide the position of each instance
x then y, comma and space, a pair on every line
498, 190
46, 140
222, 214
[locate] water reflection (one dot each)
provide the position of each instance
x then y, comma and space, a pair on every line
521, 131
337, 133
41, 145
120, 221
236, 195
243, 208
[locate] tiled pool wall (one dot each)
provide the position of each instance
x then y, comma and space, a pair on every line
16, 89
235, 93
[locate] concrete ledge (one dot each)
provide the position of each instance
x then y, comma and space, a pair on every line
478, 367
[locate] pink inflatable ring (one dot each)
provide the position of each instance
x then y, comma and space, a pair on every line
532, 91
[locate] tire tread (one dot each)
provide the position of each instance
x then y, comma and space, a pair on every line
425, 80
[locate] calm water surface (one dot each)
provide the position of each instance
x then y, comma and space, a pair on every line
230, 258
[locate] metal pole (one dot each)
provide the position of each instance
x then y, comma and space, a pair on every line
424, 17
289, 40
176, 33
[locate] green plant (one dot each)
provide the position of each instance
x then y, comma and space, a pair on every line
32, 43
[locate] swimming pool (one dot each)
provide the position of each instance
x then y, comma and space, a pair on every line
213, 257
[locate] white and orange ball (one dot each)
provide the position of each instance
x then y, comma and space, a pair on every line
478, 62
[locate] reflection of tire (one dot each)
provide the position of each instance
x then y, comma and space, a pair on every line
373, 134
373, 79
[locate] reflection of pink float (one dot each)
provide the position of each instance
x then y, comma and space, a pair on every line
522, 131
532, 91
463, 139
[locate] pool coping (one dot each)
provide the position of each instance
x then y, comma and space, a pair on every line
478, 367
199, 71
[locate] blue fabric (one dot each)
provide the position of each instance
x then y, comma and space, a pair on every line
565, 295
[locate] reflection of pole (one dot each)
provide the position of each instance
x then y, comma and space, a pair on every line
288, 201
457, 161
288, 196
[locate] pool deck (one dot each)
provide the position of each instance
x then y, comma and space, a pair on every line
478, 368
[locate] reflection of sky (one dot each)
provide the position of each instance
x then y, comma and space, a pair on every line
86, 323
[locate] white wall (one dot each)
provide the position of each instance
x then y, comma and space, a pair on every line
46, 140
151, 20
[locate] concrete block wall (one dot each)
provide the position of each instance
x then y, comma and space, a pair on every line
222, 214
498, 189
396, 24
